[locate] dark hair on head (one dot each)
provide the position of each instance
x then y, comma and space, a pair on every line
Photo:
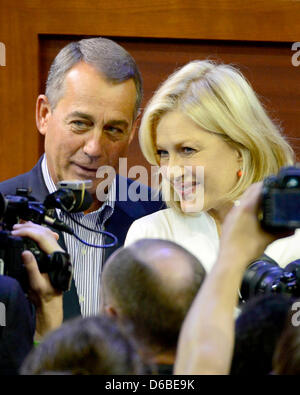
286, 360
257, 331
155, 306
108, 57
85, 346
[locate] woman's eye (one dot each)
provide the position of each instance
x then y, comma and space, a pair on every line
187, 150
161, 153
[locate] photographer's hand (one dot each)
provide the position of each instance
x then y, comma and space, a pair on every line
207, 334
48, 301
43, 236
242, 235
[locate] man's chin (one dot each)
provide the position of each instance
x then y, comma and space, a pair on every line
98, 183
82, 173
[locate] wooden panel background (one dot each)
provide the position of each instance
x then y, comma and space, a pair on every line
161, 35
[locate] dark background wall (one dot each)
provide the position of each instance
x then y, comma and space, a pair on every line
162, 35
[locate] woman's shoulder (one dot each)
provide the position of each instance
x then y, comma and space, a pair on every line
170, 217
163, 224
156, 218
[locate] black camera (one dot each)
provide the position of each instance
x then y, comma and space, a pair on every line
279, 213
57, 265
266, 277
280, 206
25, 207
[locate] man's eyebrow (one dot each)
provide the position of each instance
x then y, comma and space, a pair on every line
80, 115
115, 122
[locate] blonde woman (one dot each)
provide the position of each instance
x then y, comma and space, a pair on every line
211, 137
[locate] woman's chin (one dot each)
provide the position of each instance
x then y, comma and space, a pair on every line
192, 206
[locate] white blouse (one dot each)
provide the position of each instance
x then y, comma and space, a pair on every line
199, 235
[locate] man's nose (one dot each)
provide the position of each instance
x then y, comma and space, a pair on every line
93, 146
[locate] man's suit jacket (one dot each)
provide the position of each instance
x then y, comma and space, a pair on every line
16, 326
125, 212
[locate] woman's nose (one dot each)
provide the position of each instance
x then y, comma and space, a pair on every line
175, 172
172, 172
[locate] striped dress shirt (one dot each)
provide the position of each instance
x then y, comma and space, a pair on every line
87, 261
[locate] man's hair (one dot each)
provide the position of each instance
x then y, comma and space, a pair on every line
93, 345
286, 359
108, 57
257, 331
152, 299
219, 99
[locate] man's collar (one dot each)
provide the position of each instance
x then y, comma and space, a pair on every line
111, 195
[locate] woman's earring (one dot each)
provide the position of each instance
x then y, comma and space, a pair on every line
239, 173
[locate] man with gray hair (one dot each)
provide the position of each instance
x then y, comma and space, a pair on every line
150, 286
88, 116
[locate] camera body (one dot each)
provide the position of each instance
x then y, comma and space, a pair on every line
279, 214
57, 265
77, 185
280, 206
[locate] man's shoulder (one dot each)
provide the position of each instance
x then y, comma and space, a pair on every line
137, 199
33, 179
9, 186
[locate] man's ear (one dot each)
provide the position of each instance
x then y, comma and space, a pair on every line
134, 128
43, 113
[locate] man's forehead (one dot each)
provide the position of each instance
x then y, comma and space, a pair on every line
83, 74
81, 68
87, 92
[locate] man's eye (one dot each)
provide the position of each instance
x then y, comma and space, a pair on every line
113, 129
79, 124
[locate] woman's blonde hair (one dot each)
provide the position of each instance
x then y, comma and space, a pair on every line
219, 99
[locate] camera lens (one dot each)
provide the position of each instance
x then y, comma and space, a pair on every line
266, 277
261, 277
